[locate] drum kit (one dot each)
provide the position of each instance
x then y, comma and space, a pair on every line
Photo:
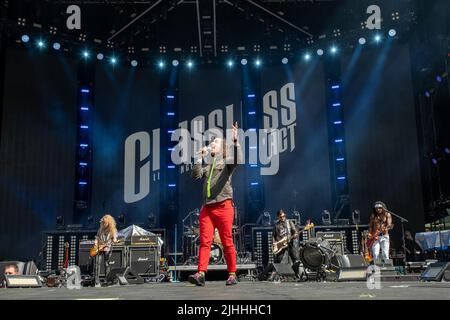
191, 241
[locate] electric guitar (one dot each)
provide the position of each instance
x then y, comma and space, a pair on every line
283, 243
93, 252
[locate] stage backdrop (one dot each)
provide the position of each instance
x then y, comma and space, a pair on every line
37, 149
303, 180
382, 145
126, 102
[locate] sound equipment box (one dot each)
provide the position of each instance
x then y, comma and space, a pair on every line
334, 238
123, 276
144, 260
438, 271
117, 259
349, 267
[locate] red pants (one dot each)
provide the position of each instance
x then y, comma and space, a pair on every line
217, 215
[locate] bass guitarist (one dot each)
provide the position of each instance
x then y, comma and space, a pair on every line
286, 228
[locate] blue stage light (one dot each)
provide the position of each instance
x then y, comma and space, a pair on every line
56, 46
113, 60
134, 63
307, 56
377, 38
230, 63
438, 78
161, 64
190, 64
392, 33
427, 94
25, 38
85, 54
100, 56
333, 50
447, 150
41, 44
362, 41
257, 62
254, 183
284, 60
320, 52
244, 62
175, 63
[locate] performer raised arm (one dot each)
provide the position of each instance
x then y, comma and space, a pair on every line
379, 225
217, 211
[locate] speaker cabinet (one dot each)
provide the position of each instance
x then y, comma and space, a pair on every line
117, 259
144, 260
438, 271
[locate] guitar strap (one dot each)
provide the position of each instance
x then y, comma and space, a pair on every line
288, 229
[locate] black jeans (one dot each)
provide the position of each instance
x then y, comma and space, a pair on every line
293, 254
102, 259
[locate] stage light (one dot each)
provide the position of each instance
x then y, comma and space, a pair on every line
377, 38
244, 62
427, 94
392, 32
434, 161
85, 54
100, 56
257, 62
175, 63
113, 60
284, 60
161, 64
230, 63
56, 46
41, 44
362, 41
320, 52
438, 78
333, 50
25, 38
134, 63
190, 64
307, 57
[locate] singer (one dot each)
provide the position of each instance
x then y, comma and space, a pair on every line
218, 208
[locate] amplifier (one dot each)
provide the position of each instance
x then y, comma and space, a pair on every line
117, 260
262, 245
334, 238
144, 240
144, 260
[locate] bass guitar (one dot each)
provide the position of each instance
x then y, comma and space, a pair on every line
283, 243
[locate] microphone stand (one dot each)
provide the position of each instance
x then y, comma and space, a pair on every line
402, 220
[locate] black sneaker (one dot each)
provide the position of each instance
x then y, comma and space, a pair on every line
198, 279
231, 281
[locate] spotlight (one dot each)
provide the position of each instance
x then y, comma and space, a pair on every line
434, 161
307, 56
392, 32
447, 150
244, 62
85, 54
258, 62
113, 60
230, 63
175, 63
161, 64
333, 50
320, 52
100, 56
362, 41
25, 38
427, 94
134, 63
56, 46
190, 64
41, 44
284, 60
377, 38
438, 78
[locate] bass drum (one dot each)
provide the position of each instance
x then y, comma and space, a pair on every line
316, 255
216, 254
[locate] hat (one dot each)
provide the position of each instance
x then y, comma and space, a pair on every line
380, 204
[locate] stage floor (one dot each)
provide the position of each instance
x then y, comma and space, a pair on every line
216, 290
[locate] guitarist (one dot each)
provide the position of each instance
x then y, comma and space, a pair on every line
379, 225
106, 236
284, 228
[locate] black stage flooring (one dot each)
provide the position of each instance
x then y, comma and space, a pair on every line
245, 290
